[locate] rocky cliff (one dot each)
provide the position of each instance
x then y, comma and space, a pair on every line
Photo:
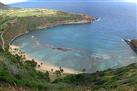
132, 44
3, 6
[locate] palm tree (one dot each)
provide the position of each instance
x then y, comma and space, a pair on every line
61, 70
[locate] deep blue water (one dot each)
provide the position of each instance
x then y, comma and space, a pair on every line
95, 46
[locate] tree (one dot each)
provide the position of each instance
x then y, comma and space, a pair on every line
83, 70
58, 73
61, 70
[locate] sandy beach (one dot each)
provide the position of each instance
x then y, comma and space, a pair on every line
41, 66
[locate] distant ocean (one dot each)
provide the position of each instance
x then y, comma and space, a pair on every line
96, 46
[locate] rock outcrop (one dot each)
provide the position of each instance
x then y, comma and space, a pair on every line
3, 6
132, 44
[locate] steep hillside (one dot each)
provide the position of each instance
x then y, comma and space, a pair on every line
3, 6
15, 72
132, 44
121, 79
20, 75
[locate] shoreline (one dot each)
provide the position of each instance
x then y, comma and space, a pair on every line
41, 66
51, 26
24, 23
47, 67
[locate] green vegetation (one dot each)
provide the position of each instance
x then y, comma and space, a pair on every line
121, 79
18, 74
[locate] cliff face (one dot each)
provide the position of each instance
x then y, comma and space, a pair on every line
132, 44
3, 6
15, 22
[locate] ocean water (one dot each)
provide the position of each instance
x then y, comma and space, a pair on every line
96, 46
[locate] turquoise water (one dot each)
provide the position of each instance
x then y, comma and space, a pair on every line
96, 46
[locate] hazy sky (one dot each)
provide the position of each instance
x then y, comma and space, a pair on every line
16, 1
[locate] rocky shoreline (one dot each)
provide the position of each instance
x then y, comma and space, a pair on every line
132, 44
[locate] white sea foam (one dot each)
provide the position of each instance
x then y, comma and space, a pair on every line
32, 36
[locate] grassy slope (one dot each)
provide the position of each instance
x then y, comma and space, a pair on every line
18, 74
121, 79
